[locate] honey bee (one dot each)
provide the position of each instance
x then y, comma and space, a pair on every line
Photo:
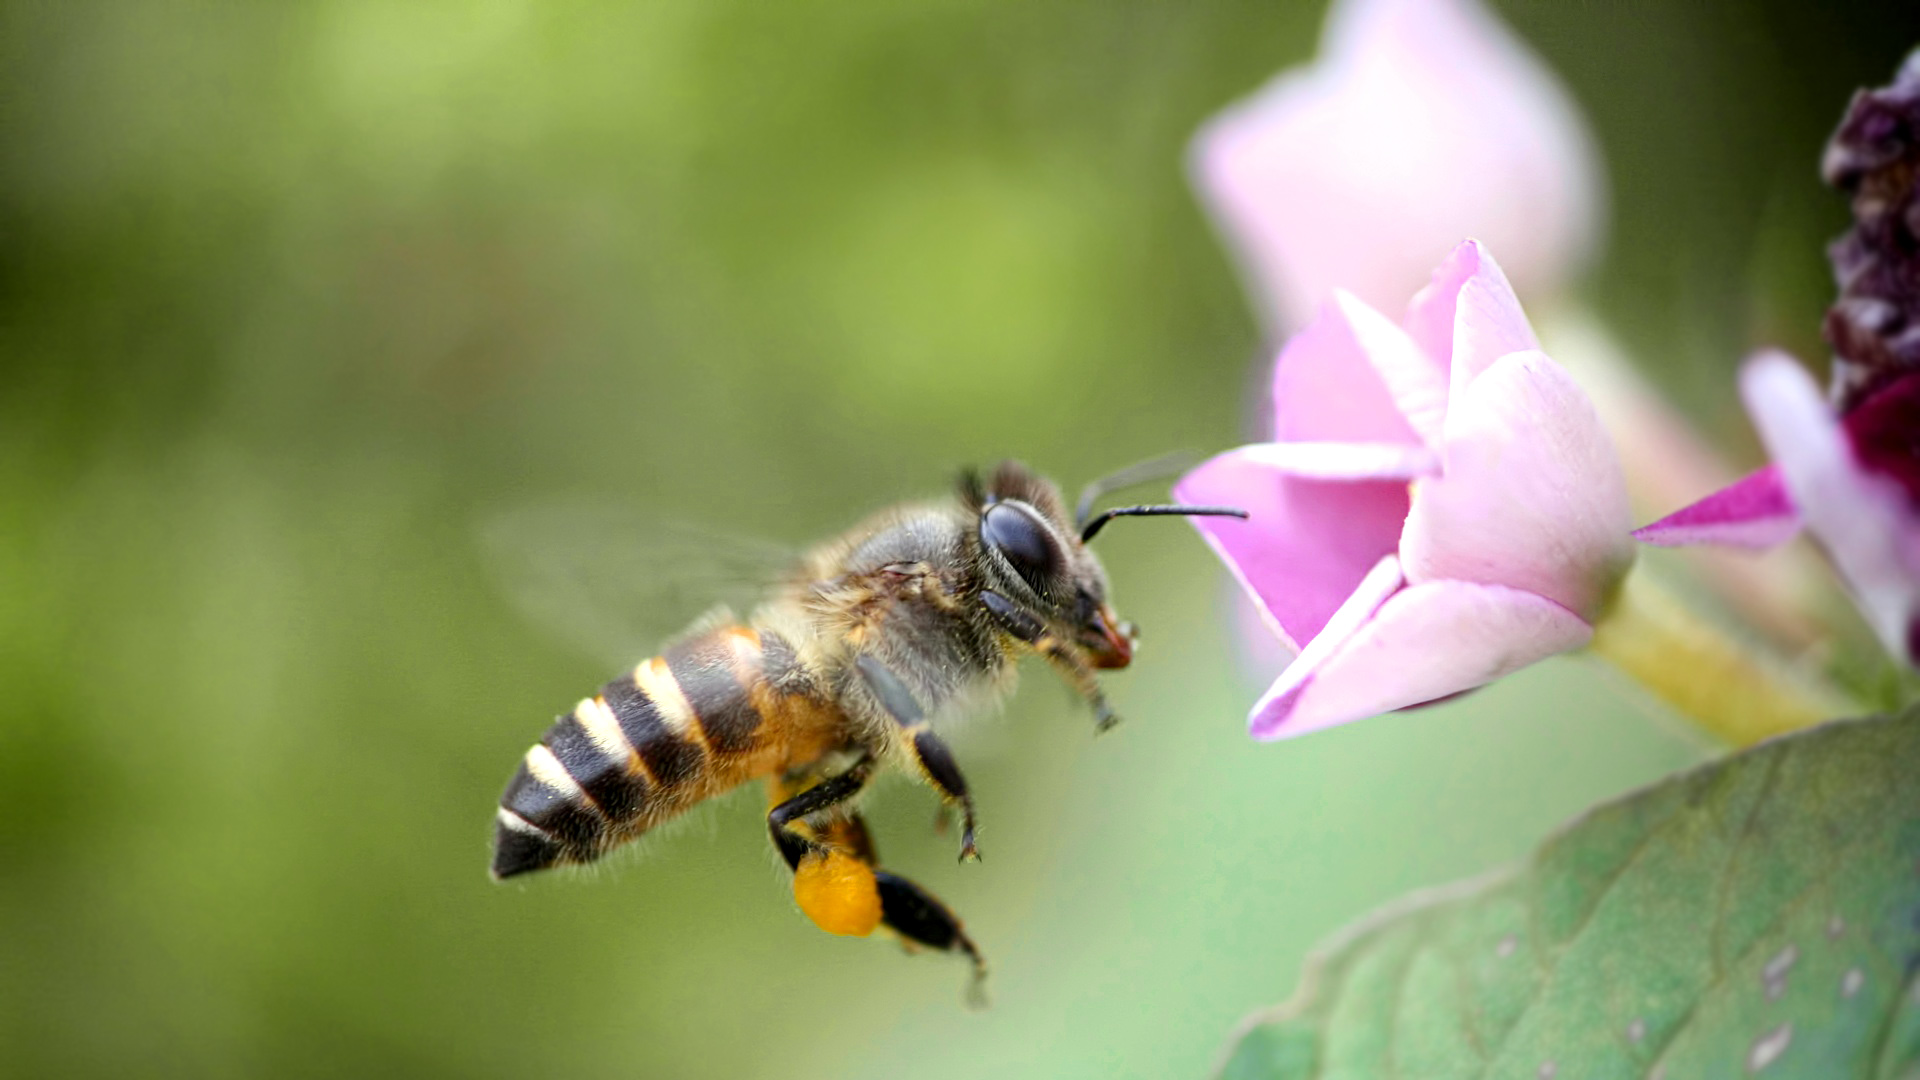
842, 670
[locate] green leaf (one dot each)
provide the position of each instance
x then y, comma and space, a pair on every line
1757, 916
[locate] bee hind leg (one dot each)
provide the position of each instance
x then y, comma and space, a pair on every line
833, 880
915, 914
837, 883
787, 821
921, 919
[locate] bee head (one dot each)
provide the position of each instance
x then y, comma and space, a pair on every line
1039, 578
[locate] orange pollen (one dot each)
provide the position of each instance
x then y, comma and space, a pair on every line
838, 893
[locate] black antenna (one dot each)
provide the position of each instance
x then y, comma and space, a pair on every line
1094, 526
1158, 468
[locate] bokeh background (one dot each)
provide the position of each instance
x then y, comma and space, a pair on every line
297, 297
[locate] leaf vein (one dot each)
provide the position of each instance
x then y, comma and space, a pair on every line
1553, 964
1717, 931
1393, 1001
1876, 1055
1464, 989
1814, 882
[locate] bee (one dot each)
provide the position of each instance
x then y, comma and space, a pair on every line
841, 671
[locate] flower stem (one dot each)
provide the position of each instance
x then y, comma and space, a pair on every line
1735, 693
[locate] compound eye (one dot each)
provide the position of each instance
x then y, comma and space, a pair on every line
1018, 535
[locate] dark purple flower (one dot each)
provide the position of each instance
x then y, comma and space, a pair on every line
1848, 471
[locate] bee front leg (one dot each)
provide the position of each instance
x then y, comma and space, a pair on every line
1071, 666
1081, 678
929, 752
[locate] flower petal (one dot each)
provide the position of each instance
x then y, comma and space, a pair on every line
1421, 122
1345, 461
1308, 543
1531, 495
1422, 643
1467, 317
1415, 380
1862, 520
1753, 512
1325, 388
1373, 589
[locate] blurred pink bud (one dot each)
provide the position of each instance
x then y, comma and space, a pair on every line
1440, 505
1852, 480
1421, 122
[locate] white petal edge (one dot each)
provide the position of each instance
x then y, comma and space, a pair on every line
1422, 644
1380, 583
1860, 520
1345, 461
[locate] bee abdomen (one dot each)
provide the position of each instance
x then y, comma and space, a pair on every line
652, 743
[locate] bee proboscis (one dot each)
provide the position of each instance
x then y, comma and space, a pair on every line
841, 671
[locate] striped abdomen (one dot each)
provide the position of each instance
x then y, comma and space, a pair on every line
678, 728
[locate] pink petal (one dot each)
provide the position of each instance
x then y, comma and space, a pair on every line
1467, 317
1487, 322
1308, 543
1378, 584
1415, 380
1753, 512
1531, 495
1421, 122
1429, 318
1862, 520
1423, 643
1325, 388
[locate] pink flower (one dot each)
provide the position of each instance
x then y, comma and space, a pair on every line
1421, 122
1852, 480
1439, 505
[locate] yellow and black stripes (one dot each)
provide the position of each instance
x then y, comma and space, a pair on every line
655, 719
707, 670
675, 729
597, 756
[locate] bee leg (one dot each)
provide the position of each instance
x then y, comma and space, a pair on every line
832, 882
937, 765
786, 820
908, 910
1068, 663
929, 752
917, 916
1081, 678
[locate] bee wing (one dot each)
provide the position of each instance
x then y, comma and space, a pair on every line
617, 582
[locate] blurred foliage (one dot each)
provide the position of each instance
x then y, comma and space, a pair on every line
294, 297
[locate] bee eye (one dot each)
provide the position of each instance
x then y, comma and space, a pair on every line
1012, 530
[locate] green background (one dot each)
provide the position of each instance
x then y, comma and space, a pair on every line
296, 297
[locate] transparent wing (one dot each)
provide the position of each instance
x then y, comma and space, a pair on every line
617, 582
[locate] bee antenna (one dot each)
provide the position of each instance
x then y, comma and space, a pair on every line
1140, 472
972, 492
1094, 526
